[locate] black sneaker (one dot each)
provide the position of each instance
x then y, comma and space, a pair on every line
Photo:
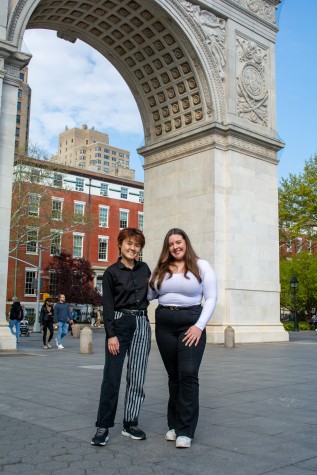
134, 432
101, 437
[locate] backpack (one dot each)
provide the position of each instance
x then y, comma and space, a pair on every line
19, 314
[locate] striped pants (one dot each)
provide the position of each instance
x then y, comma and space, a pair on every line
134, 335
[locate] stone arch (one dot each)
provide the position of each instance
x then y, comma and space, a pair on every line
160, 50
210, 140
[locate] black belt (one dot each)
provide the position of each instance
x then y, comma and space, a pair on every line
173, 307
142, 313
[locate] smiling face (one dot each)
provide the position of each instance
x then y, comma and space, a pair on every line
130, 249
177, 247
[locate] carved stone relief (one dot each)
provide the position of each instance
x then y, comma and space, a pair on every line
213, 29
262, 8
252, 92
207, 142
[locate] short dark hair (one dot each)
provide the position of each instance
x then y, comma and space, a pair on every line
131, 232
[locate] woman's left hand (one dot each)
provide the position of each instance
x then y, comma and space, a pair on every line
192, 336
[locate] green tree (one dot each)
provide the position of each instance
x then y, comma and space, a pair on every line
298, 203
304, 267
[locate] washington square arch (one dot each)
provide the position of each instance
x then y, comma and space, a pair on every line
203, 76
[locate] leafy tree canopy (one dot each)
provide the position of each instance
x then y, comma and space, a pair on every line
304, 267
298, 202
73, 278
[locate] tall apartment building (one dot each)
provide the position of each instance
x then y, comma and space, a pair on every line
89, 149
23, 114
49, 204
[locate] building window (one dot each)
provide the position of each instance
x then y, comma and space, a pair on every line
22, 76
30, 282
103, 216
56, 243
114, 159
141, 197
18, 118
140, 257
57, 208
140, 221
106, 150
53, 283
106, 163
124, 193
34, 204
32, 241
78, 245
123, 219
79, 184
19, 106
97, 154
299, 244
35, 175
104, 189
121, 155
58, 180
20, 93
79, 211
102, 248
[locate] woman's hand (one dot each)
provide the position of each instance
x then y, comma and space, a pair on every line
192, 336
113, 345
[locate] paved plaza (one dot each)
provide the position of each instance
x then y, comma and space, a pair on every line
258, 413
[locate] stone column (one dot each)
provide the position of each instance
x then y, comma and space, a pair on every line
10, 64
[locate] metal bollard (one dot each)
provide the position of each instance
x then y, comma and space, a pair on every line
76, 331
229, 337
86, 341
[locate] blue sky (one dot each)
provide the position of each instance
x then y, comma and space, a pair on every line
73, 84
296, 90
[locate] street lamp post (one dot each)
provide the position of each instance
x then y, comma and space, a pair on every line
294, 285
36, 326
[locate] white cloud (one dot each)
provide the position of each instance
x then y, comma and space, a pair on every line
73, 84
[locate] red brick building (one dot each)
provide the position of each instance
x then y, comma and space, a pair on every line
65, 208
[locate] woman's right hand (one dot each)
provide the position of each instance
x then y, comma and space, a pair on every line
113, 345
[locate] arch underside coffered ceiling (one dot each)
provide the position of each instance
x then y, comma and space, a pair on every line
151, 47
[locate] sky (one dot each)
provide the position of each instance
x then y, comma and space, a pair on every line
72, 85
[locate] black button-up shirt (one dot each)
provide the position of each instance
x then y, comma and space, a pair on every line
124, 288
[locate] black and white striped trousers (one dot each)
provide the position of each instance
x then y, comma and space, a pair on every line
134, 335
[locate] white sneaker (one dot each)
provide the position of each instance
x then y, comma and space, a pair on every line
183, 442
170, 435
60, 347
56, 341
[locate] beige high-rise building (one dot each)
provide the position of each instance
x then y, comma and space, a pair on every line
23, 114
89, 149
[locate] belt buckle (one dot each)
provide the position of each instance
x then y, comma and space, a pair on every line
173, 307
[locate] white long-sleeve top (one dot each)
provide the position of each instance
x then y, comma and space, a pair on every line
184, 292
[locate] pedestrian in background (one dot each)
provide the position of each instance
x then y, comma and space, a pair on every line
180, 281
127, 332
46, 321
62, 315
16, 315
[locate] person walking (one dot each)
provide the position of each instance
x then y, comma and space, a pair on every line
127, 332
62, 315
15, 317
46, 321
180, 281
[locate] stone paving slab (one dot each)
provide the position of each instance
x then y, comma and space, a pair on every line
257, 413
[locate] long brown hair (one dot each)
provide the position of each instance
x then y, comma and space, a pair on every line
165, 260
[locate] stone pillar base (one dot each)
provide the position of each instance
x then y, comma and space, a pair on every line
256, 333
7, 340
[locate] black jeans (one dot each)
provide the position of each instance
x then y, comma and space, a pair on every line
48, 326
182, 365
134, 335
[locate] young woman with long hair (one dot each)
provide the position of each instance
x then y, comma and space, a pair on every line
180, 281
